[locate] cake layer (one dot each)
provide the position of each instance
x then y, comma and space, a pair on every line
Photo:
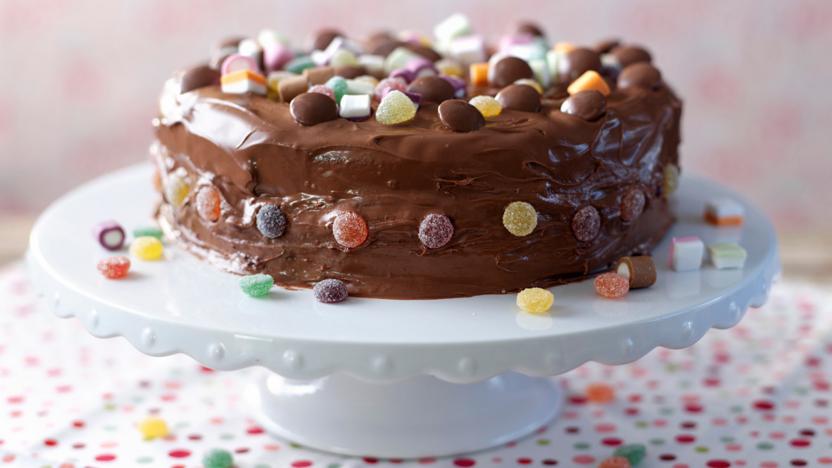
254, 152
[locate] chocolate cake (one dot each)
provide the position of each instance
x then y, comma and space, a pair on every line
388, 163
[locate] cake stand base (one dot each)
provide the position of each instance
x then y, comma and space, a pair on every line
417, 417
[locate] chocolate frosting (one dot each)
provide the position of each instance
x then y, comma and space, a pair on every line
254, 152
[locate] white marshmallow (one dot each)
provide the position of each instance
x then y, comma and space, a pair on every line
686, 253
355, 106
372, 63
357, 86
727, 255
467, 50
452, 27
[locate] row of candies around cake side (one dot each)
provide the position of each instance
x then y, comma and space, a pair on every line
687, 254
391, 76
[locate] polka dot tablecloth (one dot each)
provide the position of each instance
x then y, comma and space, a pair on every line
756, 395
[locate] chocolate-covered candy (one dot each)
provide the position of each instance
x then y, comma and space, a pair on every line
460, 116
530, 28
432, 89
199, 77
628, 54
586, 224
510, 69
519, 97
324, 36
423, 51
606, 46
641, 75
577, 62
632, 204
313, 108
350, 71
639, 271
588, 105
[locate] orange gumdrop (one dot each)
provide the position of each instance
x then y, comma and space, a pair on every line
208, 203
590, 80
600, 393
350, 229
478, 73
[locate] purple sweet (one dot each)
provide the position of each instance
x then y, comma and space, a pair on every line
330, 291
457, 83
403, 73
421, 66
276, 55
415, 97
435, 230
110, 235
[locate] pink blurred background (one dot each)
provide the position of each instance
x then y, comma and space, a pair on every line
81, 79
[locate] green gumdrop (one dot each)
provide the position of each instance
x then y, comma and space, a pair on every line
634, 453
339, 86
299, 64
257, 285
218, 458
148, 231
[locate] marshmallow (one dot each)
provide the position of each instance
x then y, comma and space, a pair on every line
727, 255
686, 253
399, 58
374, 64
724, 211
243, 81
355, 106
452, 27
359, 86
468, 49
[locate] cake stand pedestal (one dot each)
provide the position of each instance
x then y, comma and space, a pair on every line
380, 377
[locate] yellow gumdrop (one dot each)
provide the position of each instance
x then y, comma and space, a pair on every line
487, 105
176, 190
535, 300
520, 218
530, 82
449, 67
147, 248
395, 108
671, 179
153, 427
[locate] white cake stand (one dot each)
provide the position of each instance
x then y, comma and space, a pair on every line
383, 377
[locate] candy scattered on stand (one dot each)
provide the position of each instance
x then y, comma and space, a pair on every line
114, 267
270, 221
395, 108
586, 223
218, 458
487, 105
208, 203
614, 462
313, 108
330, 291
153, 427
599, 392
257, 285
727, 255
634, 453
147, 248
611, 285
535, 300
724, 211
520, 218
355, 106
686, 253
110, 235
350, 229
240, 75
640, 271
148, 231
435, 230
